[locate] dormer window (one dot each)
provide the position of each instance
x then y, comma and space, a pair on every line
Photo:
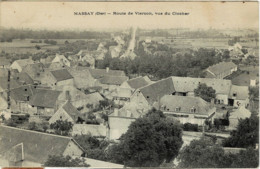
178, 109
147, 97
193, 110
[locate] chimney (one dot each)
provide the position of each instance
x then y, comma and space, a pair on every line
107, 69
68, 95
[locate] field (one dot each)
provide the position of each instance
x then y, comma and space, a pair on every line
24, 46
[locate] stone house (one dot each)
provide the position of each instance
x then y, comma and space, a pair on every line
20, 64
57, 79
67, 112
27, 148
61, 59
238, 114
221, 70
187, 109
238, 96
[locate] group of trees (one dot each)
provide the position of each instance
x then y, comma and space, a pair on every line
64, 161
149, 141
9, 34
163, 65
62, 127
205, 92
204, 153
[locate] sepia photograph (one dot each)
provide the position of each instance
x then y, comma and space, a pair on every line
129, 84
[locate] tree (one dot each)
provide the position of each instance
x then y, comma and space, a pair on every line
201, 154
149, 141
204, 153
61, 161
62, 127
205, 92
248, 158
246, 135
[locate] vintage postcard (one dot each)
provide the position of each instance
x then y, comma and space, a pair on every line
129, 84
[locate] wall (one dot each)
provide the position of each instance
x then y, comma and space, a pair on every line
60, 114
15, 65
94, 130
118, 126
72, 150
222, 97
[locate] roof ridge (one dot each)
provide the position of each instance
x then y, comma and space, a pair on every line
54, 135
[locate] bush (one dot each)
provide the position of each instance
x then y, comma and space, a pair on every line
190, 127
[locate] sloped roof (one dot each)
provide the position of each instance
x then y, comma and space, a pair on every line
23, 78
45, 98
15, 153
24, 62
221, 67
113, 80
3, 72
185, 103
188, 84
242, 92
102, 164
37, 145
241, 112
4, 61
22, 93
137, 82
33, 68
155, 91
61, 74
99, 73
4, 83
71, 110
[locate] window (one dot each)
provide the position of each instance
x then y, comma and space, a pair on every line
177, 109
25, 89
234, 94
60, 117
147, 97
193, 110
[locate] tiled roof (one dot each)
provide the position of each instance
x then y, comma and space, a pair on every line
185, 103
61, 74
22, 93
137, 82
71, 110
113, 80
37, 145
155, 91
24, 62
99, 73
188, 84
4, 83
44, 98
23, 78
221, 67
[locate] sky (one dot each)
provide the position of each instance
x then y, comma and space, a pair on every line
60, 15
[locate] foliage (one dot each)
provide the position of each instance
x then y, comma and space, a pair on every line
149, 141
62, 127
163, 61
32, 126
205, 92
204, 153
190, 127
253, 93
246, 134
94, 147
61, 161
248, 158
